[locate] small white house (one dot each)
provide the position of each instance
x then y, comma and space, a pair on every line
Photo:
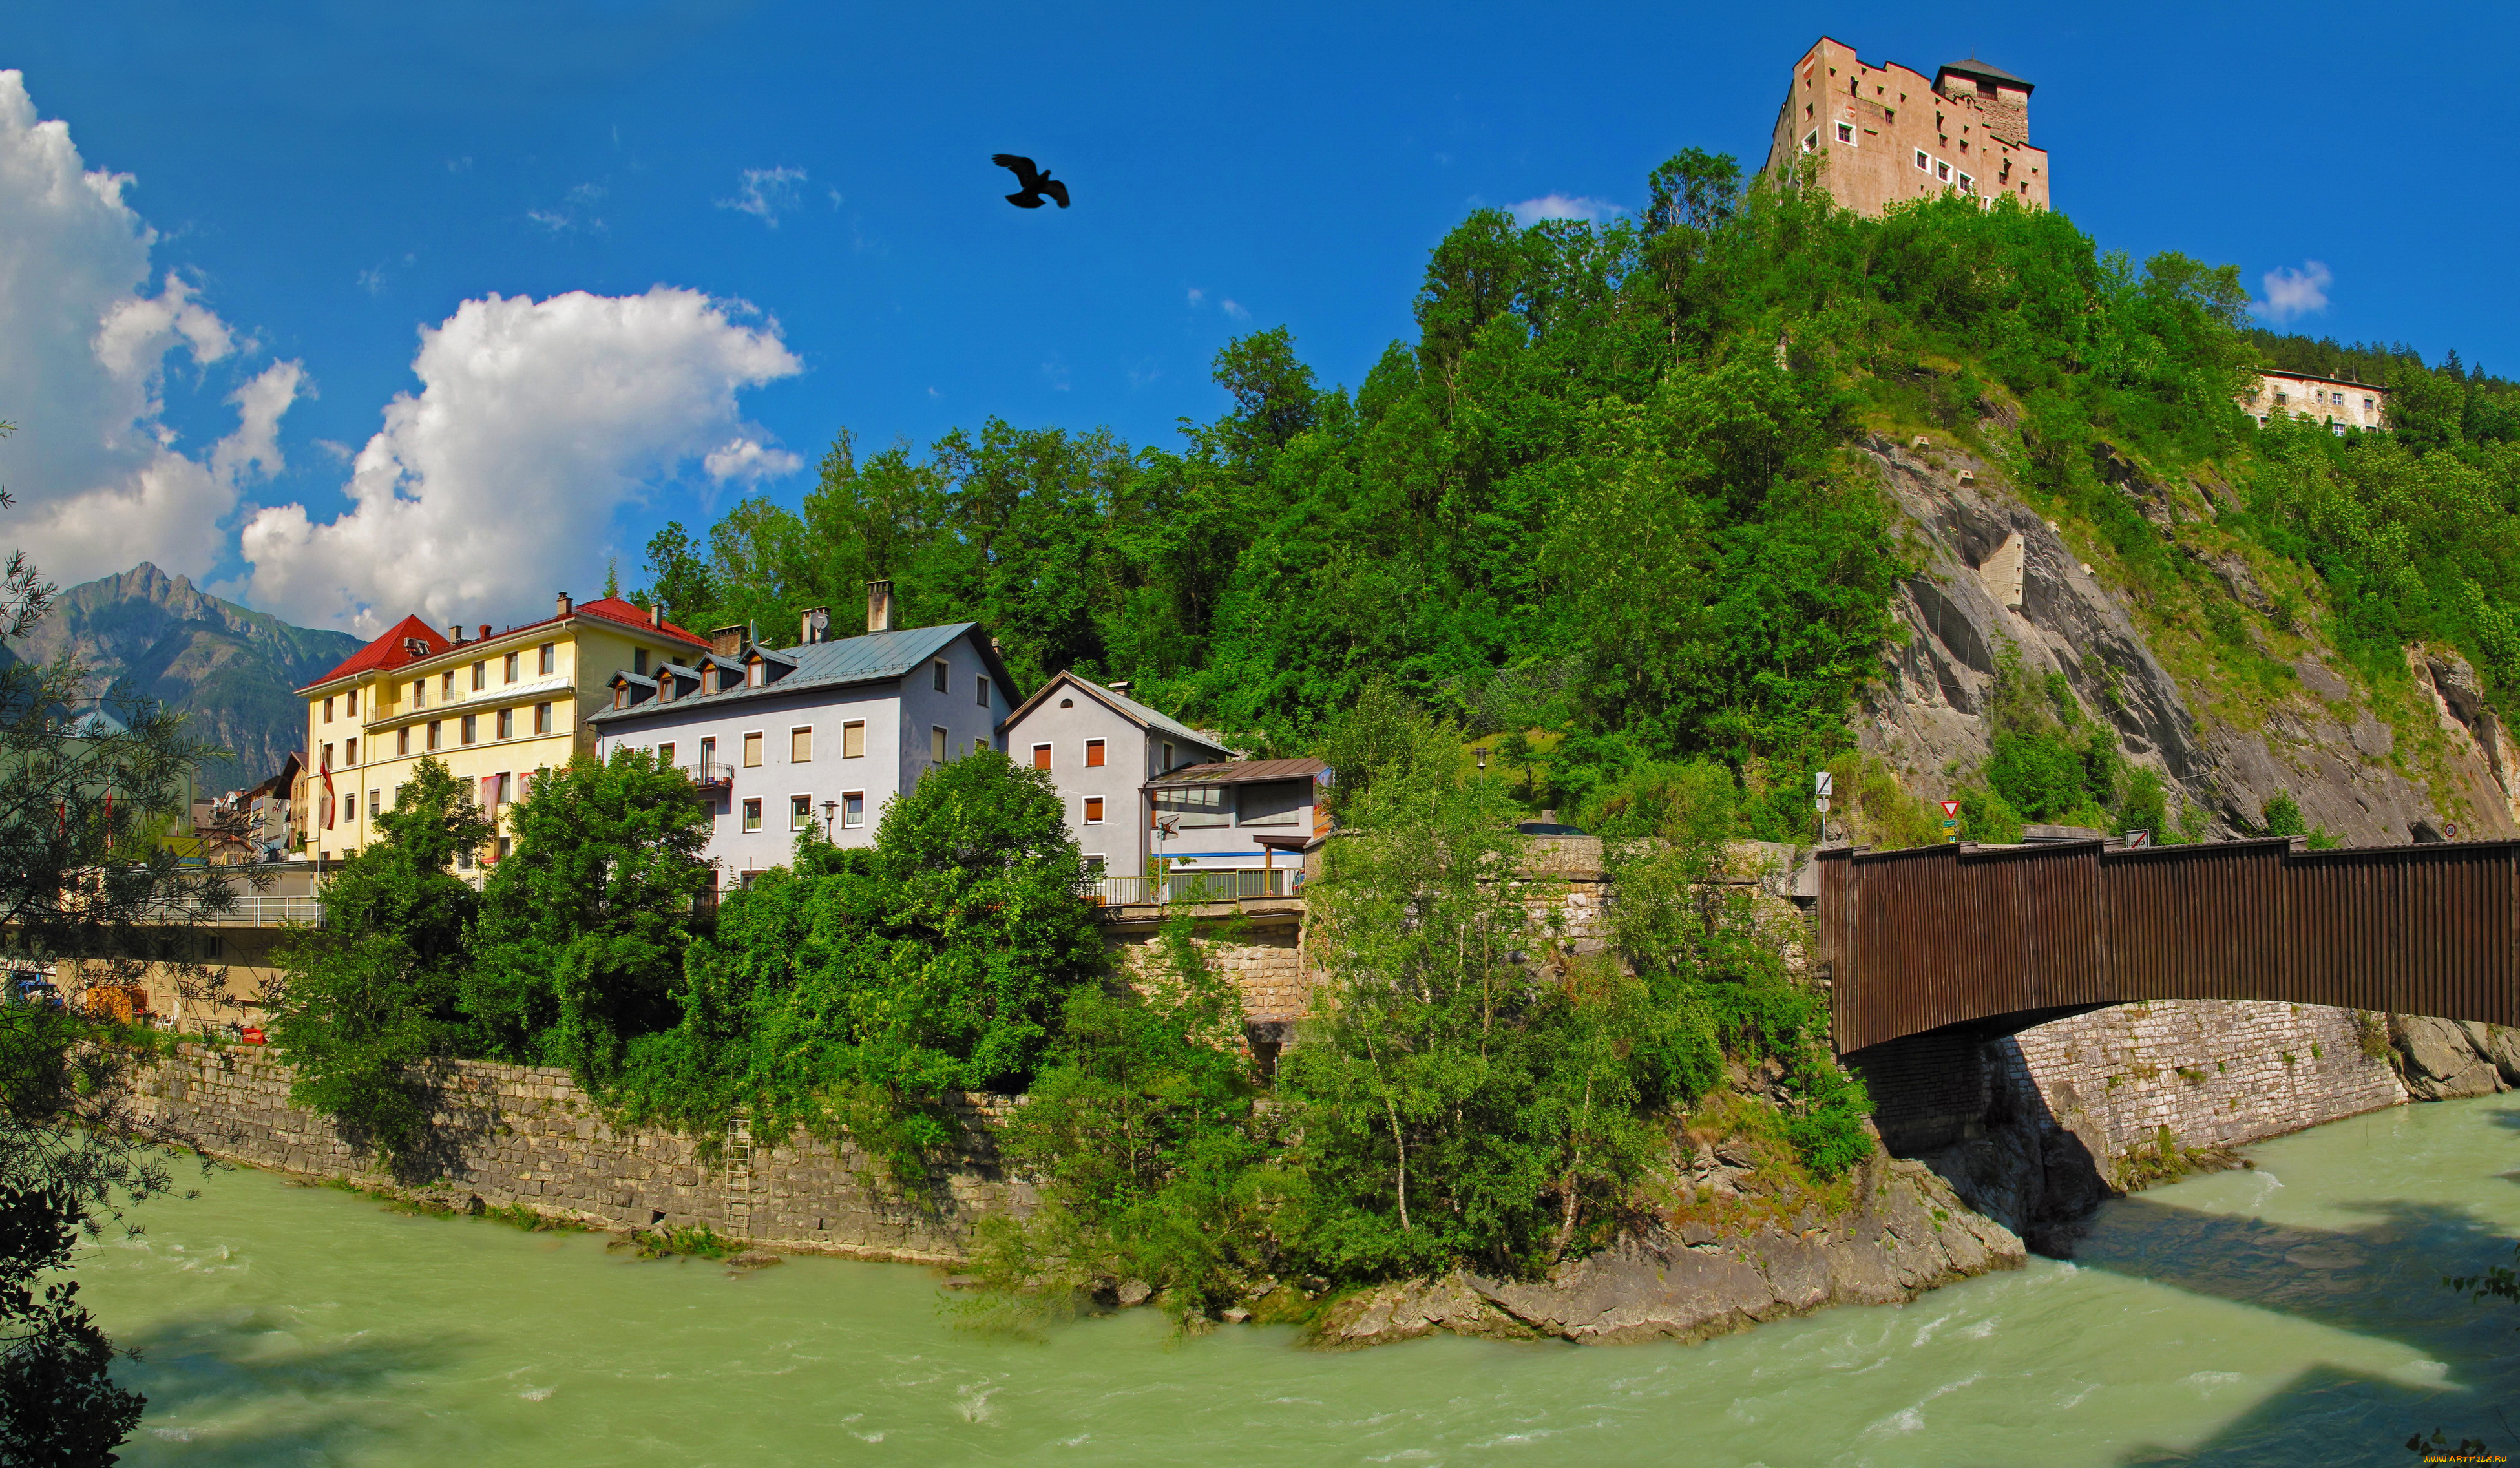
820, 735
1100, 747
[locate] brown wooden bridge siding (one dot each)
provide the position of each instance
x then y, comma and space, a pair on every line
1945, 935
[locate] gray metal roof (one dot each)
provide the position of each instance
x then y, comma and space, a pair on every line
1120, 703
1241, 773
876, 657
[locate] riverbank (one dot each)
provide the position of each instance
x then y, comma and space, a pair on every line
2291, 1314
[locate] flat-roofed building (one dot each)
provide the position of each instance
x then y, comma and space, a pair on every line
1881, 133
2341, 403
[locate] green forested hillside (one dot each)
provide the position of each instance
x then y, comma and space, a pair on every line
1605, 493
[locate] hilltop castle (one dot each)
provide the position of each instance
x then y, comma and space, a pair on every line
1884, 133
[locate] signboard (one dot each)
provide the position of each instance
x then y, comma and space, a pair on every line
2134, 839
1823, 784
1821, 804
1950, 809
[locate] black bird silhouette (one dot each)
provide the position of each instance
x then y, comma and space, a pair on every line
1036, 182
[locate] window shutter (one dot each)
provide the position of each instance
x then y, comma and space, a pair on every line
752, 750
800, 745
852, 742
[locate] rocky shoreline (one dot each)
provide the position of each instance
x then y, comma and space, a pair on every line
1908, 1233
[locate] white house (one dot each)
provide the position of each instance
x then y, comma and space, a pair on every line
1100, 747
820, 735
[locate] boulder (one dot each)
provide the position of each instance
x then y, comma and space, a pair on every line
2440, 1062
2497, 1043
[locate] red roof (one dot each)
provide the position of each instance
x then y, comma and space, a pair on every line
387, 651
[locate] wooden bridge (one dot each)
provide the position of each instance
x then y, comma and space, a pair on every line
1996, 939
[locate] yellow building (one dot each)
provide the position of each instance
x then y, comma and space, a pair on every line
494, 707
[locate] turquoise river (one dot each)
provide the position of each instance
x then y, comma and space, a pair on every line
2289, 1315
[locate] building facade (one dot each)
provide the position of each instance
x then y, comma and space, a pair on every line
493, 707
1882, 134
2338, 402
1239, 814
820, 735
1100, 749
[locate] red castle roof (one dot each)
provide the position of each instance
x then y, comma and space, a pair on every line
390, 650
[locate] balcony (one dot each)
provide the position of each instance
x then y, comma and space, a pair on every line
1195, 887
712, 778
252, 910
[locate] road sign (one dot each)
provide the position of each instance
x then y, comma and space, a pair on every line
1951, 808
1821, 804
1823, 784
2135, 839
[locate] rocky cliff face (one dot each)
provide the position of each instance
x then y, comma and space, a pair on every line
2231, 718
151, 636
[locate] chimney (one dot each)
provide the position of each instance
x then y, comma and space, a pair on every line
485, 631
656, 616
455, 633
567, 606
1121, 688
878, 606
730, 642
815, 626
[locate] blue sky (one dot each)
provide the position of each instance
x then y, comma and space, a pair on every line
782, 221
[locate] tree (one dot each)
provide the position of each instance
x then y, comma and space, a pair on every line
583, 926
374, 992
861, 990
80, 884
679, 577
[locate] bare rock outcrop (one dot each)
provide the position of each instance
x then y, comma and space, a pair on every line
1995, 573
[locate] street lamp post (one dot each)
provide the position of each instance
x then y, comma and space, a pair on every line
829, 806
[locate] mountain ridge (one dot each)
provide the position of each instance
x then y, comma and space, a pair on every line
231, 670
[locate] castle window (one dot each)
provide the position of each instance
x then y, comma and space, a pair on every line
1967, 183
1923, 163
1846, 133
1811, 139
1942, 171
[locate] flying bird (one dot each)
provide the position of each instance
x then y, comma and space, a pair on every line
1036, 182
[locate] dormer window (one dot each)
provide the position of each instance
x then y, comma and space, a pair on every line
755, 674
622, 696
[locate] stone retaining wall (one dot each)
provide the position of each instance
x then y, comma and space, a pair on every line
514, 1134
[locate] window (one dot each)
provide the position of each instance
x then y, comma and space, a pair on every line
1095, 750
349, 805
507, 724
665, 756
752, 750
508, 669
1092, 810
800, 811
1923, 165
984, 686
1846, 133
752, 674
1276, 803
402, 741
752, 814
2279, 397
708, 759
446, 684
480, 676
503, 788
853, 809
853, 739
1168, 756
800, 745
542, 718
1196, 805
351, 704
1041, 756
939, 665
543, 657
433, 725
622, 696
328, 758
350, 752
936, 745
472, 728
506, 844
328, 711
1968, 185
2368, 405
1811, 139
419, 691
1942, 171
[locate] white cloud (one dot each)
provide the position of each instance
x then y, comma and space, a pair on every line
1197, 296
84, 347
2294, 293
574, 212
1562, 207
747, 458
768, 192
496, 482
1233, 308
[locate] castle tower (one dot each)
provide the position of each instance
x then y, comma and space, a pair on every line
1884, 134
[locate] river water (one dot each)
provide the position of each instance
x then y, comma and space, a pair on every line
2290, 1314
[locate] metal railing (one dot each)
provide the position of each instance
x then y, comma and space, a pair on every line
1195, 887
251, 909
712, 772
